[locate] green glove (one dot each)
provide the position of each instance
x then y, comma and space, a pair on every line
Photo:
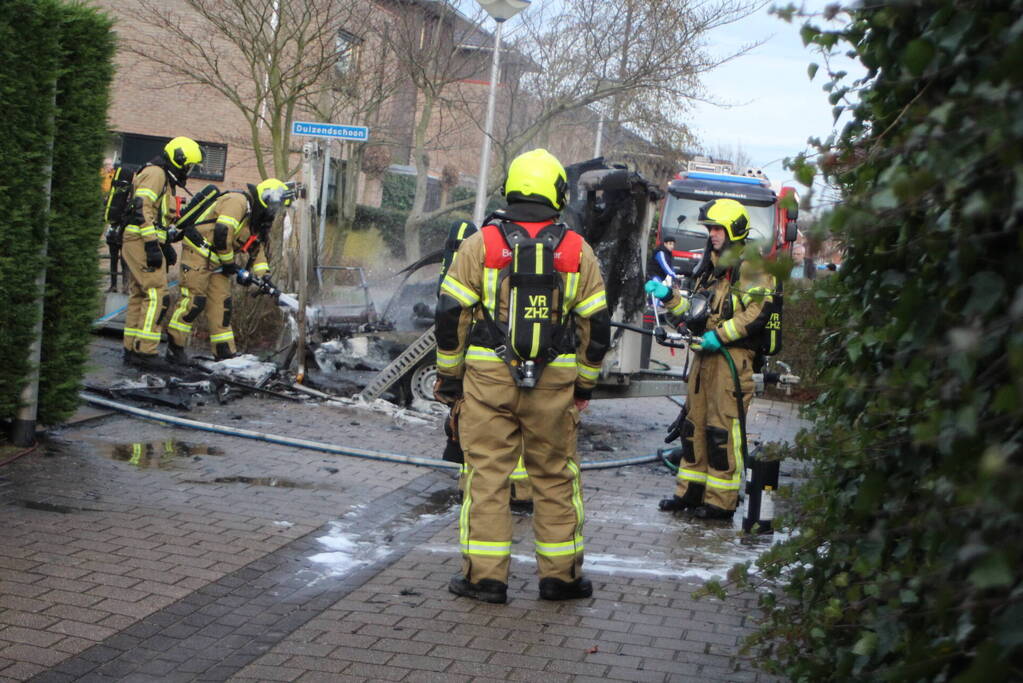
658, 289
708, 343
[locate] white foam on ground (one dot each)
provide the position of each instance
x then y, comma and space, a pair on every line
379, 405
346, 552
704, 569
245, 368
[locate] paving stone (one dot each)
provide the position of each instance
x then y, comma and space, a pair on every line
22, 671
374, 671
28, 636
31, 654
202, 577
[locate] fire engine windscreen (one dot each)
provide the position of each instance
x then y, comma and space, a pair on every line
762, 216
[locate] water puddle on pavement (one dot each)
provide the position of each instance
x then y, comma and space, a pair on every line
437, 503
690, 549
153, 455
48, 507
259, 481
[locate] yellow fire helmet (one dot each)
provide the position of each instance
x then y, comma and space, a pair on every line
273, 194
183, 153
728, 214
536, 176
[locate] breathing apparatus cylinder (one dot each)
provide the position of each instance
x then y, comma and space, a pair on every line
761, 485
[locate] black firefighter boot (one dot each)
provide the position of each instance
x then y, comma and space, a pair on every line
712, 512
556, 589
485, 590
690, 501
674, 504
223, 352
176, 354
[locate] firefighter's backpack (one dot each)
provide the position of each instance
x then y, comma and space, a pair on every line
119, 197
768, 341
535, 332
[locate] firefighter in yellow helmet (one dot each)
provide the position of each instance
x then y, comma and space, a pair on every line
735, 316
145, 249
522, 327
238, 224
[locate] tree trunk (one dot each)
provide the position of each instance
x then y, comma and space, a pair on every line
421, 160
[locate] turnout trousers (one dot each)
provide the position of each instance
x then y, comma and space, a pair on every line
521, 491
148, 300
712, 461
498, 423
204, 292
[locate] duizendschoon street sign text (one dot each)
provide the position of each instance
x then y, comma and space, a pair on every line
330, 130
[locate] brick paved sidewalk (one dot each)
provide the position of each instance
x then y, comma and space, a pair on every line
213, 558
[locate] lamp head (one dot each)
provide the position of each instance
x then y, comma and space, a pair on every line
502, 10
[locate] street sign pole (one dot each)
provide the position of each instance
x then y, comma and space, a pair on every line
331, 131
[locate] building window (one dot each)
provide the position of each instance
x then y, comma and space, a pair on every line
346, 47
137, 150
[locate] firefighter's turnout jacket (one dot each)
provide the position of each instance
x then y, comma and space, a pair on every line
712, 445
218, 237
152, 211
499, 421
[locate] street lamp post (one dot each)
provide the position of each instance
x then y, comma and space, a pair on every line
501, 11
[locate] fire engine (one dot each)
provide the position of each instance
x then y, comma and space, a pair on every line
770, 223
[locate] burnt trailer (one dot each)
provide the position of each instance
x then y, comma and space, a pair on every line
613, 208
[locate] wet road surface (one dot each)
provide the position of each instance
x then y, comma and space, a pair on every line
134, 551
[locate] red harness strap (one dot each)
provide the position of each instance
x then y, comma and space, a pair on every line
497, 254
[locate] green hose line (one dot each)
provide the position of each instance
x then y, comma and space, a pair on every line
738, 404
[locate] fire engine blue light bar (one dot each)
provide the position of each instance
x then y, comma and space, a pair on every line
744, 180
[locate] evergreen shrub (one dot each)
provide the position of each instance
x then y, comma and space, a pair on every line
76, 208
906, 564
54, 87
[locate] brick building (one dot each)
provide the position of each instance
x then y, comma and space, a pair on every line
151, 103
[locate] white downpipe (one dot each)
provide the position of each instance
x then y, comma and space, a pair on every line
325, 183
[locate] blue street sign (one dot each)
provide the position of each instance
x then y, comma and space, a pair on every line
330, 130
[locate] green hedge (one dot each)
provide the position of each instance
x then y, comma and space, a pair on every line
28, 74
391, 224
76, 219
801, 335
908, 562
51, 53
398, 191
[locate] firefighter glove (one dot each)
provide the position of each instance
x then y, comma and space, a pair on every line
658, 289
169, 254
154, 255
448, 390
708, 343
228, 269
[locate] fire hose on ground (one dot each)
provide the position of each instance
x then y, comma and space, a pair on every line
319, 445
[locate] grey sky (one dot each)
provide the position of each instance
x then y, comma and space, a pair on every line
775, 105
